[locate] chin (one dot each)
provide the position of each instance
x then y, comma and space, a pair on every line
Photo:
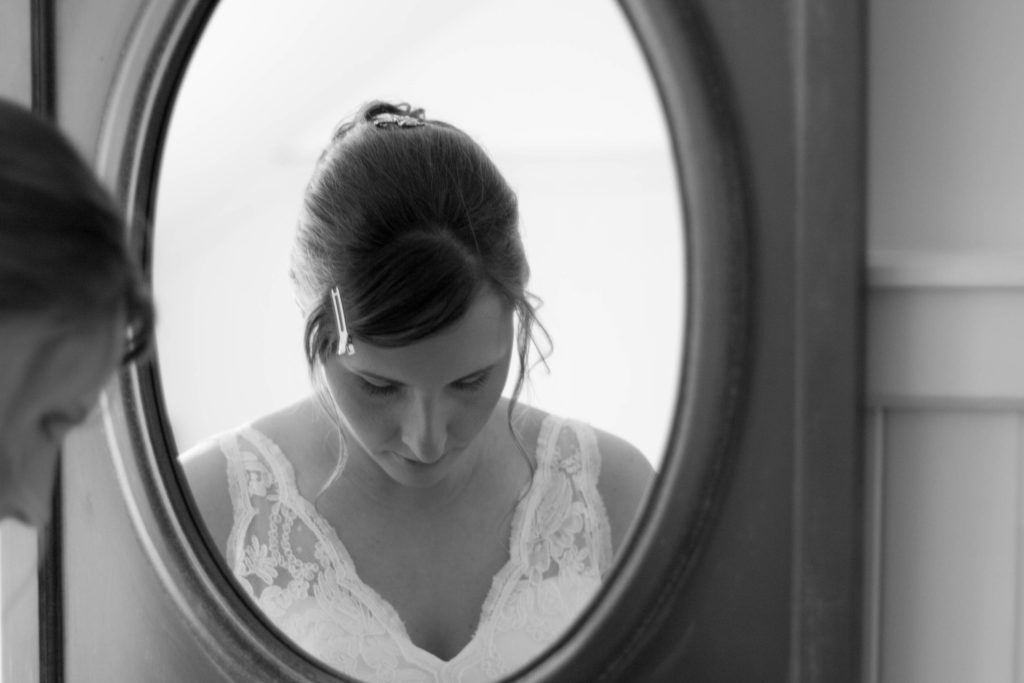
417, 476
418, 484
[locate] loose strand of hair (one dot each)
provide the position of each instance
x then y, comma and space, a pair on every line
525, 339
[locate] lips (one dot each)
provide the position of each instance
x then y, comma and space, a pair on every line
419, 463
413, 462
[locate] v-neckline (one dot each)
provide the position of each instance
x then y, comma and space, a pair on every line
385, 612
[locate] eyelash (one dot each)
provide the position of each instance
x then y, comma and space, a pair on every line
388, 390
472, 384
378, 390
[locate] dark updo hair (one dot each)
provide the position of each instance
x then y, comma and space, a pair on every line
62, 237
410, 219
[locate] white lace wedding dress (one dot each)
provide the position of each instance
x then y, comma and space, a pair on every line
297, 571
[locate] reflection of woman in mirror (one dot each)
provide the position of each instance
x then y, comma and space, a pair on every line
407, 522
67, 290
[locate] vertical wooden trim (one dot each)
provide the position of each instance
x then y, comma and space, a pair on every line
51, 592
829, 43
874, 543
51, 570
43, 46
1018, 621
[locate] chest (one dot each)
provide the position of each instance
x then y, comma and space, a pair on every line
436, 573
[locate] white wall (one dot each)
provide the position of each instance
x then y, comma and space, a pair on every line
19, 598
946, 342
556, 91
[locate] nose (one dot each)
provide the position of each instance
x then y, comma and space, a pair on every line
425, 431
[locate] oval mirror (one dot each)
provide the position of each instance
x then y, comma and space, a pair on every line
567, 111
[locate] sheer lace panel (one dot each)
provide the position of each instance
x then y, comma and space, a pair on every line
295, 568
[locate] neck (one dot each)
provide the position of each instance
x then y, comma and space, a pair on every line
462, 484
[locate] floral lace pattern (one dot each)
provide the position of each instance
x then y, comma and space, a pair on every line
295, 568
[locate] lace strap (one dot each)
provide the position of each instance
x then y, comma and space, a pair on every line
256, 469
590, 473
238, 488
566, 514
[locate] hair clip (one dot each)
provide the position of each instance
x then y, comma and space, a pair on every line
401, 120
345, 347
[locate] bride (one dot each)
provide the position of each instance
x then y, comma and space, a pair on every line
405, 521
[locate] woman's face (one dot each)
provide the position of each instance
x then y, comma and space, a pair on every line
52, 375
415, 410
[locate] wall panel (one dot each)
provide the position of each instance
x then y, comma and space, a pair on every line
946, 340
946, 395
16, 64
949, 554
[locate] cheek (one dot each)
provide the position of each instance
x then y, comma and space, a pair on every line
477, 408
467, 424
474, 412
370, 422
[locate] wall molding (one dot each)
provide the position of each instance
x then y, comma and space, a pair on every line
946, 330
945, 269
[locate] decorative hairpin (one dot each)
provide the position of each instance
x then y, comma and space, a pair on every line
401, 120
345, 347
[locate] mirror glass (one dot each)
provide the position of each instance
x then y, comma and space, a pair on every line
559, 97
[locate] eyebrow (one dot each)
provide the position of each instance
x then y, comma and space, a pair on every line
381, 378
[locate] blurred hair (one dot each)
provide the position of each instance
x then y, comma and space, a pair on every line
62, 237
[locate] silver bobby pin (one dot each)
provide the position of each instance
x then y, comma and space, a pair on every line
345, 347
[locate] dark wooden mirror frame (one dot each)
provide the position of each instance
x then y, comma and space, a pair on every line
747, 562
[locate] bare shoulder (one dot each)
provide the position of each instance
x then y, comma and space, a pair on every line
307, 437
625, 478
625, 475
285, 423
205, 470
205, 466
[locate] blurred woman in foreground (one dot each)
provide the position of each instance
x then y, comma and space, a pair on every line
73, 306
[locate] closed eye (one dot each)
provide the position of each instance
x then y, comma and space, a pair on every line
472, 382
378, 389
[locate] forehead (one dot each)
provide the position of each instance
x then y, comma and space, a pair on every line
481, 337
